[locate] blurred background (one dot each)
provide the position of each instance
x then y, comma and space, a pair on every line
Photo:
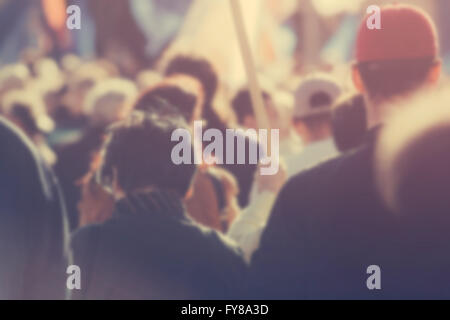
64, 87
286, 35
134, 39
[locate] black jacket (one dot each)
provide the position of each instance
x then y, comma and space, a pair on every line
328, 226
74, 162
151, 250
33, 223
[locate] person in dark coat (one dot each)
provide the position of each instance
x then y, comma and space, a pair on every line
412, 175
150, 248
328, 226
33, 223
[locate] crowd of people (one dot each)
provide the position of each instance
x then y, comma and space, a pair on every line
87, 178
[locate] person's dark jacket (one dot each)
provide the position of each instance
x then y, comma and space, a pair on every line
244, 173
151, 250
328, 226
33, 225
73, 164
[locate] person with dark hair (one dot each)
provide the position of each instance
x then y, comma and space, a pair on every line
150, 248
328, 228
397, 60
349, 122
202, 70
180, 91
242, 107
107, 102
33, 222
213, 200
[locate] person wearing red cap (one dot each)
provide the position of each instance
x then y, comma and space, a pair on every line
328, 228
396, 60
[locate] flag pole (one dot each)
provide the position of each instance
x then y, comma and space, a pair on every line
255, 89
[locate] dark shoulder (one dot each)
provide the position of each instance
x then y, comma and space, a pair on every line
85, 238
217, 240
327, 178
330, 168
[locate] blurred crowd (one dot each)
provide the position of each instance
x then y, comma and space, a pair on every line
86, 177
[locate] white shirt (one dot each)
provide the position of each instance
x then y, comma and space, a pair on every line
311, 155
247, 228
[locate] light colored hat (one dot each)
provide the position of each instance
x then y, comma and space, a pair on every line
316, 95
110, 100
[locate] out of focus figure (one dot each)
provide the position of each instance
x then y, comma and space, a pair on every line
213, 202
33, 226
107, 102
412, 174
314, 99
27, 110
328, 223
150, 248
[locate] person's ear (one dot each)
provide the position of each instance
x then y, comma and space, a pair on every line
357, 80
435, 73
189, 193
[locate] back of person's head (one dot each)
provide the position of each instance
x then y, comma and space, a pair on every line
349, 122
182, 92
398, 58
243, 106
33, 228
412, 160
109, 101
315, 96
137, 155
198, 68
314, 99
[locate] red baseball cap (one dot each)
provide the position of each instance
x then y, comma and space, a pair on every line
407, 32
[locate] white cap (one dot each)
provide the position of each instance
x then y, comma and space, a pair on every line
316, 95
110, 100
